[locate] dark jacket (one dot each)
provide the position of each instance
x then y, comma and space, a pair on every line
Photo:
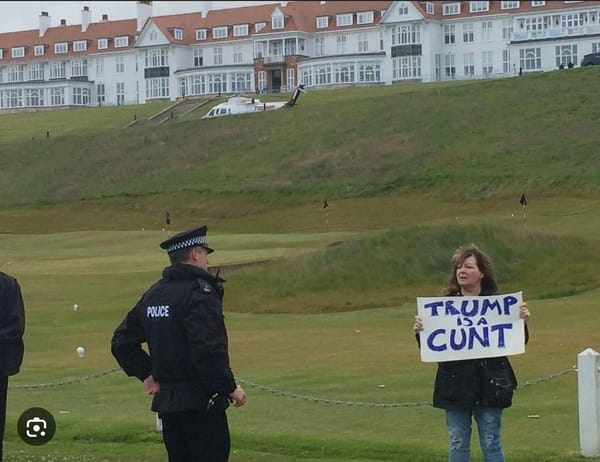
467, 383
12, 325
181, 320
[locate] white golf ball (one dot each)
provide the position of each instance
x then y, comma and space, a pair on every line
80, 351
75, 307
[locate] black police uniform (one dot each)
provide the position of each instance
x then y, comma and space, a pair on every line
181, 319
12, 327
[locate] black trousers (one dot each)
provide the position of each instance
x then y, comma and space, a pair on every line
3, 390
195, 436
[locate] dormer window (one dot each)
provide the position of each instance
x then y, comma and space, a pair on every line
61, 47
509, 5
80, 45
39, 50
1, 54
343, 19
478, 7
450, 9
322, 22
102, 44
430, 7
220, 32
18, 52
366, 17
200, 34
277, 22
153, 35
259, 26
240, 30
121, 42
178, 34
403, 9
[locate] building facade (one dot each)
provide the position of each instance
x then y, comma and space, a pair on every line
274, 47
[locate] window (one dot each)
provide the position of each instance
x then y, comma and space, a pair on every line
102, 44
39, 50
406, 35
509, 5
506, 61
369, 73
220, 32
406, 68
259, 26
277, 22
319, 46
240, 30
200, 34
365, 17
507, 29
487, 63
61, 47
449, 34
341, 44
290, 79
100, 91
34, 97
178, 34
363, 42
450, 67
121, 42
530, 59
15, 73
18, 52
322, 22
450, 9
198, 59
153, 35
79, 68
468, 35
57, 70
469, 64
343, 19
478, 7
538, 3
99, 67
596, 47
237, 54
262, 80
36, 71
156, 58
57, 96
121, 93
81, 96
565, 55
290, 47
1, 53
486, 31
120, 64
430, 7
80, 45
217, 56
403, 9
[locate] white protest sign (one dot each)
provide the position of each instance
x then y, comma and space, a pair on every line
457, 328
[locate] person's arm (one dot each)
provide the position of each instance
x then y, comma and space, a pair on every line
417, 328
126, 347
524, 314
12, 313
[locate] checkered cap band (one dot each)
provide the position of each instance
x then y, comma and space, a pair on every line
192, 242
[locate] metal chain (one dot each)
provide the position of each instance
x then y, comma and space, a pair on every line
283, 393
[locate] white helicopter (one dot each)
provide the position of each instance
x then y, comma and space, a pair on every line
244, 105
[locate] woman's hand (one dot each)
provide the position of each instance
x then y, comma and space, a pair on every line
524, 312
418, 325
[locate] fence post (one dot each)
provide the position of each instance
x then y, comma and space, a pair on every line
588, 384
159, 426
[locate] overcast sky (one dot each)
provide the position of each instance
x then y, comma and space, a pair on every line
19, 15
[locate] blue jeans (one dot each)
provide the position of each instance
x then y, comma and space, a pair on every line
459, 430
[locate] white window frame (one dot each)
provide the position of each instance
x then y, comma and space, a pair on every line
450, 9
430, 6
345, 19
363, 42
122, 41
198, 57
403, 9
259, 26
36, 71
486, 31
535, 3
1, 53
61, 47
17, 52
219, 32
200, 34
322, 22
102, 44
237, 54
469, 64
341, 44
120, 64
39, 50
178, 33
468, 32
277, 22
365, 17
510, 4
80, 45
319, 46
478, 7
218, 56
487, 63
241, 30
449, 34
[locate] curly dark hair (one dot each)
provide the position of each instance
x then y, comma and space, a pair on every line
484, 263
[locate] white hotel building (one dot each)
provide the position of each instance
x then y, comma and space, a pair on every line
274, 47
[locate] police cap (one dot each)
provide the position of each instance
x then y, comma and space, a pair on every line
191, 238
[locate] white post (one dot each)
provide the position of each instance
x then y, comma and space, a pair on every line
158, 423
588, 384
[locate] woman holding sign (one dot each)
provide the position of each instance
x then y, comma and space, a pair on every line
469, 388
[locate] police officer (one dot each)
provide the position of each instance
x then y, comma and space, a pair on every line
187, 368
12, 327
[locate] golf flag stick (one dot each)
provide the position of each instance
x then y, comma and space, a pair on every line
523, 202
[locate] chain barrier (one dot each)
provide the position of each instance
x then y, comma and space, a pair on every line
283, 393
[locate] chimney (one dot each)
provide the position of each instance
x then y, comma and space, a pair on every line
283, 4
205, 7
144, 11
63, 22
86, 18
44, 23
104, 17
